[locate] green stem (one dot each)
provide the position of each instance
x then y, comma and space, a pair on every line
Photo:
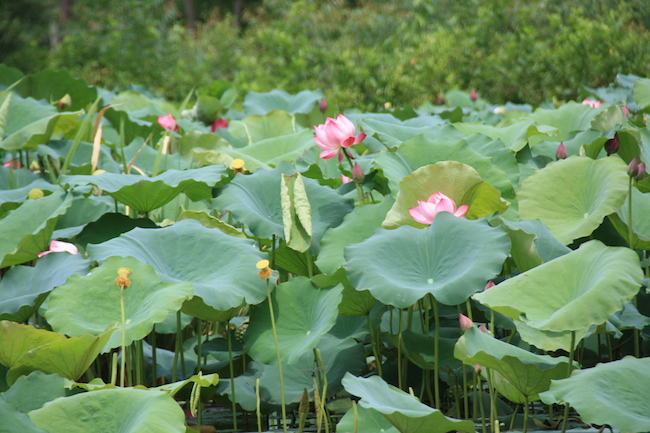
123, 363
514, 417
232, 378
375, 345
258, 410
178, 346
568, 374
400, 379
154, 357
356, 183
310, 265
525, 417
630, 242
139, 363
277, 354
465, 395
436, 352
477, 381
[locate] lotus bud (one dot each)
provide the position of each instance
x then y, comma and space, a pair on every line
357, 173
611, 145
440, 100
626, 110
483, 328
238, 165
35, 194
560, 153
633, 168
465, 322
641, 173
477, 368
122, 280
218, 124
265, 271
473, 95
322, 105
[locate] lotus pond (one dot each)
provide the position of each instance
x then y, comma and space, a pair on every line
263, 262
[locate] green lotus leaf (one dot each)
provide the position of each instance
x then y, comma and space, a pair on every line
303, 314
144, 156
24, 288
451, 259
11, 178
515, 136
262, 103
109, 226
148, 193
404, 411
263, 154
25, 349
368, 421
26, 231
611, 393
571, 293
640, 221
354, 302
31, 122
392, 132
532, 243
221, 268
457, 181
53, 85
88, 304
296, 212
204, 381
549, 340
527, 372
83, 210
20, 194
125, 410
569, 118
608, 119
642, 93
419, 348
256, 201
59, 150
275, 123
357, 226
211, 222
33, 391
15, 421
572, 196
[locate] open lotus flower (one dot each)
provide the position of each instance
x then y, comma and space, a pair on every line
335, 135
168, 122
58, 247
218, 124
592, 103
425, 212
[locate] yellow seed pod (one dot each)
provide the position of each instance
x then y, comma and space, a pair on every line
265, 271
35, 194
237, 165
263, 264
122, 280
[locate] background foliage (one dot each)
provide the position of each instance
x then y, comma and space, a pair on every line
360, 53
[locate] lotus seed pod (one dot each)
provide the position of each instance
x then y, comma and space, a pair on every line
35, 194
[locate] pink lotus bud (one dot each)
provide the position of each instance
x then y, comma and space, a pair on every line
218, 124
322, 105
641, 173
560, 153
633, 167
473, 95
11, 163
465, 323
626, 110
489, 285
483, 328
168, 122
611, 145
477, 368
345, 179
357, 172
440, 100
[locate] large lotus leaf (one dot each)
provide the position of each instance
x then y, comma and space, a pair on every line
642, 93
451, 259
25, 349
275, 123
144, 156
15, 421
59, 149
368, 421
571, 293
211, 222
357, 226
220, 267
615, 393
404, 411
255, 200
148, 193
20, 194
572, 196
33, 391
640, 220
11, 178
567, 119
23, 288
608, 119
26, 231
392, 132
532, 243
204, 381
421, 151
277, 99
549, 340
529, 373
457, 181
53, 85
514, 136
88, 304
303, 314
125, 410
263, 154
419, 349
354, 302
30, 123
83, 210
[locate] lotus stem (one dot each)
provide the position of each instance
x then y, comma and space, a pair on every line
258, 409
277, 354
357, 185
356, 416
232, 378
514, 416
139, 362
154, 357
477, 381
465, 395
400, 379
568, 374
322, 373
310, 265
436, 352
494, 422
375, 344
525, 429
123, 360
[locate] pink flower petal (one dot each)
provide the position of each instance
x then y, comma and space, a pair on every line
58, 247
465, 322
345, 179
462, 211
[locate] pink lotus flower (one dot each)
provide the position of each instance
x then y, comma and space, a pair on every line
425, 212
218, 124
335, 135
168, 122
58, 247
11, 163
592, 102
